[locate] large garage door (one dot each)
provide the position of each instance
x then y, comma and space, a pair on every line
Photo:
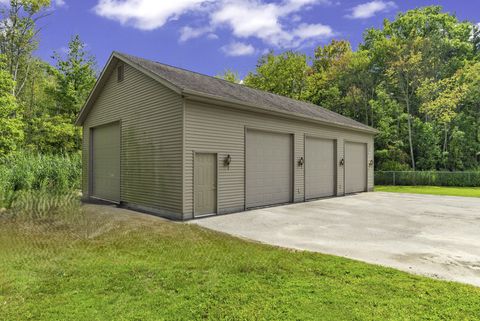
106, 162
319, 167
355, 167
268, 168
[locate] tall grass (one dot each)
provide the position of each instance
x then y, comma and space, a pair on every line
22, 172
40, 193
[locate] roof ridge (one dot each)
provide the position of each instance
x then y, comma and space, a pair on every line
226, 81
179, 68
213, 77
269, 96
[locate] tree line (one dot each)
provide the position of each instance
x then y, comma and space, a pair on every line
417, 80
38, 101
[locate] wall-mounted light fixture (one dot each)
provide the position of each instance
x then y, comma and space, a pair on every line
227, 160
342, 162
370, 163
301, 161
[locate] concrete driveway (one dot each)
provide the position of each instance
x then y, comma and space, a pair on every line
437, 236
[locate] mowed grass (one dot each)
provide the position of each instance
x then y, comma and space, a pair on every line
434, 190
114, 265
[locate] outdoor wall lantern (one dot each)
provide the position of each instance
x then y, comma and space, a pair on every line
301, 161
370, 163
342, 162
227, 160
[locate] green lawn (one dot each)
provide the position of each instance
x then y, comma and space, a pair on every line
136, 267
435, 190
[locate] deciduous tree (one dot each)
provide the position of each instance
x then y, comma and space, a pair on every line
11, 126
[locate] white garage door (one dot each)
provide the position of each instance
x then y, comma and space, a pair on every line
268, 168
106, 162
319, 167
355, 167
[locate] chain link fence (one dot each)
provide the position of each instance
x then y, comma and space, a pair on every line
434, 178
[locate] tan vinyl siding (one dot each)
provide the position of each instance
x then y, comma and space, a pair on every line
222, 130
151, 121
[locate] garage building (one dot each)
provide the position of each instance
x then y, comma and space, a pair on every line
182, 145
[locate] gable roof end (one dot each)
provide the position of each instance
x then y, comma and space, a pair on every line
102, 79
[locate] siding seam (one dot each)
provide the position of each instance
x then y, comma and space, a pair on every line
183, 157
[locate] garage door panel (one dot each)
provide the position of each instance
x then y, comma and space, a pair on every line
355, 167
320, 169
106, 162
268, 168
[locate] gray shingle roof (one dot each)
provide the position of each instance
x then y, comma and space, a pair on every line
211, 86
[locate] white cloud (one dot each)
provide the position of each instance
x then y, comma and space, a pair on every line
247, 19
265, 21
307, 34
187, 33
146, 14
370, 9
212, 36
277, 24
236, 49
306, 31
296, 18
59, 3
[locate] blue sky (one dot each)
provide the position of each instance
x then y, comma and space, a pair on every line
210, 36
